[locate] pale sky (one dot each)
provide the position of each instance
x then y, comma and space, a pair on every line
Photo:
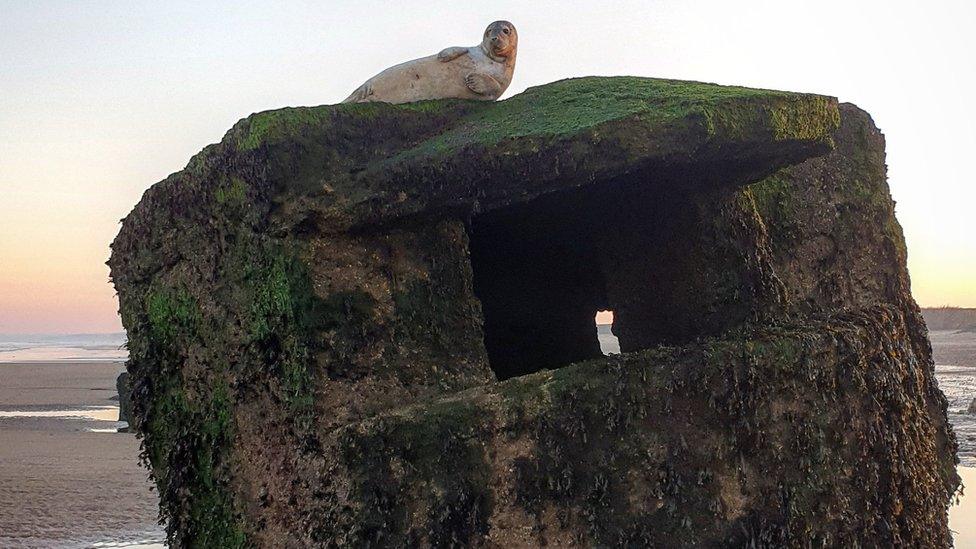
98, 100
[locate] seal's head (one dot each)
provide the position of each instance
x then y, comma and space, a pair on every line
500, 41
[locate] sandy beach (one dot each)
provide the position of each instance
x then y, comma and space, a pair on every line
62, 485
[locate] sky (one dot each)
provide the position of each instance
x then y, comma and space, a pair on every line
99, 100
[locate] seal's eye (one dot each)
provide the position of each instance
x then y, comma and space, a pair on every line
506, 31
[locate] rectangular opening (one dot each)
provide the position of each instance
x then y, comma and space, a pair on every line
540, 283
544, 268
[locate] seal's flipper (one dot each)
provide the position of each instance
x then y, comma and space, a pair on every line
450, 54
482, 84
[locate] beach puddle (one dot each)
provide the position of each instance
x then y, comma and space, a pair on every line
91, 413
99, 430
141, 544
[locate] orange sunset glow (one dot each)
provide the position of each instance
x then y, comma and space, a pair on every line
93, 114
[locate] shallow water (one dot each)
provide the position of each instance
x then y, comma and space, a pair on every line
94, 413
149, 539
955, 370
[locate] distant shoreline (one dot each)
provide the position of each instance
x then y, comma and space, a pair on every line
950, 318
62, 355
47, 348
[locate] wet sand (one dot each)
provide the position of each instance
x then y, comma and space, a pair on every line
64, 384
62, 485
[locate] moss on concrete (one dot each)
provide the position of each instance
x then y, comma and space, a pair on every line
274, 126
747, 439
566, 108
308, 363
187, 428
171, 313
438, 453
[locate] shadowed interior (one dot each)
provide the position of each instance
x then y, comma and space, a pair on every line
544, 267
540, 282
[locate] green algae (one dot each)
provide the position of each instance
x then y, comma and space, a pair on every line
213, 520
186, 434
171, 313
274, 126
273, 302
232, 194
187, 443
813, 117
268, 128
284, 316
650, 108
777, 202
565, 108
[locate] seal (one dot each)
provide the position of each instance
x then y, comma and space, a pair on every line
479, 72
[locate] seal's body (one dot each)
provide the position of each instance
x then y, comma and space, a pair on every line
479, 72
